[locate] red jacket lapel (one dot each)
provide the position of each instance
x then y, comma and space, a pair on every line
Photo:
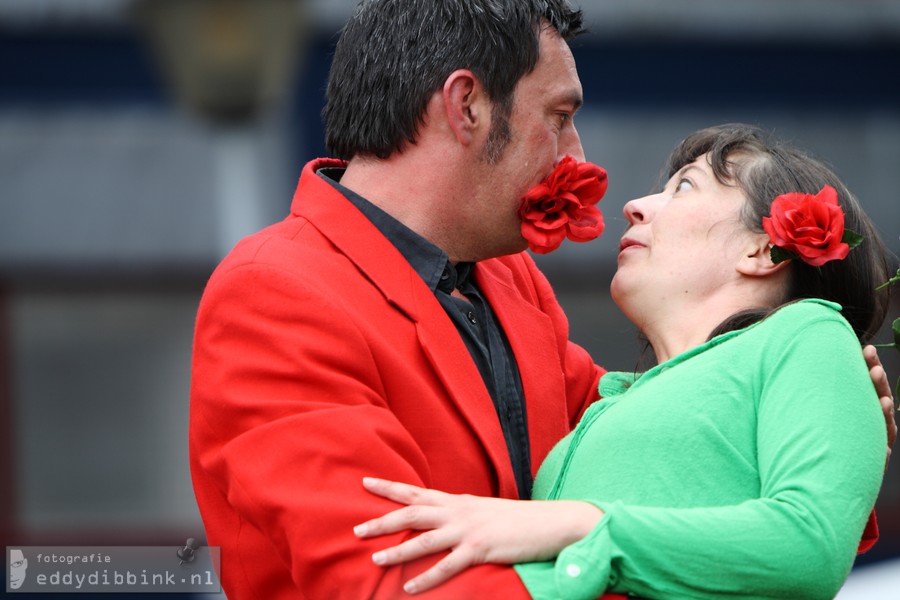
382, 264
530, 334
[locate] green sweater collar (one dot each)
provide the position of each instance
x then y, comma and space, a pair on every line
614, 383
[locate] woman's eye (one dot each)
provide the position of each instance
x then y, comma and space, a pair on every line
683, 184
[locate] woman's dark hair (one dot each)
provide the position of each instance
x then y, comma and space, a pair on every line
764, 167
394, 54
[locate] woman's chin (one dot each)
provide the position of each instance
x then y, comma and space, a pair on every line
619, 291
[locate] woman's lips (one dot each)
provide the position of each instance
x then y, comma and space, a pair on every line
626, 243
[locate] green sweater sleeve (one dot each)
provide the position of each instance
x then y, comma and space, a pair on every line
820, 443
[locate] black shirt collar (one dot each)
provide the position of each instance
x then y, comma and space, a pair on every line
430, 262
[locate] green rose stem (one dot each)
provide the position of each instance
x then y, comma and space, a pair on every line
890, 281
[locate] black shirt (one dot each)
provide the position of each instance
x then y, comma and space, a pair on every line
474, 320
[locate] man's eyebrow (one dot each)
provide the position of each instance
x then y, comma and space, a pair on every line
575, 99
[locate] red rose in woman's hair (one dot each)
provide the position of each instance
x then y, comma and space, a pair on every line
809, 227
562, 206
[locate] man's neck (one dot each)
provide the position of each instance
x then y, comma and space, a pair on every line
418, 197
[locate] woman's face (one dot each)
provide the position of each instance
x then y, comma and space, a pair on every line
681, 245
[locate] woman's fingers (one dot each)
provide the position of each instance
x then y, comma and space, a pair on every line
885, 395
877, 372
409, 517
435, 540
887, 407
428, 512
452, 564
423, 514
400, 492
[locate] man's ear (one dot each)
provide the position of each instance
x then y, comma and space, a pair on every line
756, 260
465, 104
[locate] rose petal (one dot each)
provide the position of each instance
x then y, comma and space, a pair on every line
562, 205
810, 226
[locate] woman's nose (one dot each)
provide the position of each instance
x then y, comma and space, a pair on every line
633, 212
640, 210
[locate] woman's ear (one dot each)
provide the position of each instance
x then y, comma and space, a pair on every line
757, 260
465, 104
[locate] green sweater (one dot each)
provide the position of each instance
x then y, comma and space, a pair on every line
745, 467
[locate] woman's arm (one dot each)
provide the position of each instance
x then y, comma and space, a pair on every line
815, 463
473, 529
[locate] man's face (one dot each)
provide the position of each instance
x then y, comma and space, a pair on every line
17, 566
523, 148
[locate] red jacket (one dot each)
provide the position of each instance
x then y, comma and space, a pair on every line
321, 356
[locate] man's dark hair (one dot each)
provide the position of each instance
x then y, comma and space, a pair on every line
394, 54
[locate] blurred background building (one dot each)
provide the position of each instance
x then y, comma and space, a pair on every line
140, 139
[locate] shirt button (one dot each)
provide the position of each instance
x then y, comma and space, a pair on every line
573, 570
445, 275
471, 317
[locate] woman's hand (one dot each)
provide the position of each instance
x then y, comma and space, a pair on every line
475, 530
885, 395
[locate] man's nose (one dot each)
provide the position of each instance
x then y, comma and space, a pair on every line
570, 143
